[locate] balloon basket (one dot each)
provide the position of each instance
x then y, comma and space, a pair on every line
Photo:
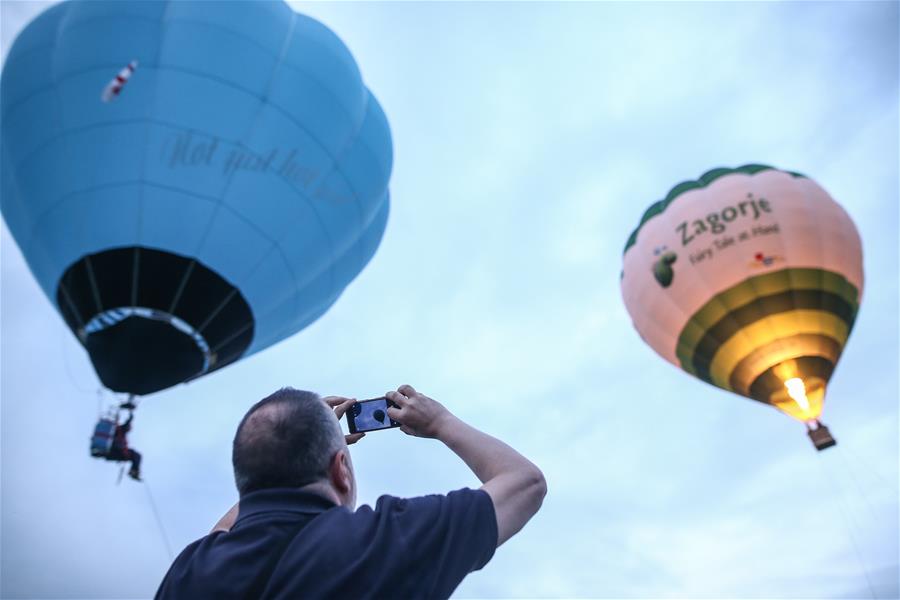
821, 437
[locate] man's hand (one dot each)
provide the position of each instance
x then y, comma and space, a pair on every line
341, 405
417, 414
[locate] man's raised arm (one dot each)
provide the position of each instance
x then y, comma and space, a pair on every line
516, 486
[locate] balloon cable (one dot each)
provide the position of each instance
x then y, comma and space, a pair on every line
859, 488
65, 357
880, 477
841, 503
159, 523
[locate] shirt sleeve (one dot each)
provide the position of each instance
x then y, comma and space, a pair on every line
445, 536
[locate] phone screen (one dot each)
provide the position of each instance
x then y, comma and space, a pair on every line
370, 415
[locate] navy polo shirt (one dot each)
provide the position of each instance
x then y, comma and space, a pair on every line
287, 543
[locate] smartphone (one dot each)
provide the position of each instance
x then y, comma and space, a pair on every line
370, 415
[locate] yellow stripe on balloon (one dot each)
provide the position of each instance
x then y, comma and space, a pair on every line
750, 290
783, 349
769, 329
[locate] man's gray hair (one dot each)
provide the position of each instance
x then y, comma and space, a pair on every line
285, 440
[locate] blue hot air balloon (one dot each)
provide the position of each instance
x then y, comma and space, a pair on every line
190, 182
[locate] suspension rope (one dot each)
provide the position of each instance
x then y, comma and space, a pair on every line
858, 486
65, 357
159, 523
841, 503
873, 472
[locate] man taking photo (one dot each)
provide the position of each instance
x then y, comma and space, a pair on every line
296, 533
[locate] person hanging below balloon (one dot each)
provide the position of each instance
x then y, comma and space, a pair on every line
120, 452
110, 440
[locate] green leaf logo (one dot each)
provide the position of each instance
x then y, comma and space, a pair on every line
662, 268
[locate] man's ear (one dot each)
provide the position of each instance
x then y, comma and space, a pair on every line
339, 473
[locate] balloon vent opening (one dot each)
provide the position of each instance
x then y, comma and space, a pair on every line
796, 387
140, 356
151, 319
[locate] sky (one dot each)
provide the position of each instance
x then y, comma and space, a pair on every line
528, 140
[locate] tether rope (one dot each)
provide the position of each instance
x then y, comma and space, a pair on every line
159, 523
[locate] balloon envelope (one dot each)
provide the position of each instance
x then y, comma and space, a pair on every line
749, 279
219, 202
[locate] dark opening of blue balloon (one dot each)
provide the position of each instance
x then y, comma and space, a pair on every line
379, 415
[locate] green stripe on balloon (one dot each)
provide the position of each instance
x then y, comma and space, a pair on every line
761, 308
740, 303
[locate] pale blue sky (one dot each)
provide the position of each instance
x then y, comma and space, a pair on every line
528, 140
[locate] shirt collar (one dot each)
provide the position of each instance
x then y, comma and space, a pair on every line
282, 500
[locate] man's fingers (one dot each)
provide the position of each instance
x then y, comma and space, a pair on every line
397, 398
343, 407
394, 413
407, 390
354, 437
333, 401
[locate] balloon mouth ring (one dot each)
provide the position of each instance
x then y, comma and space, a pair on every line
112, 316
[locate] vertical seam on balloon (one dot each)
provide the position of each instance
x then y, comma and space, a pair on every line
94, 289
339, 155
263, 101
277, 246
71, 303
185, 276
791, 273
62, 127
846, 242
237, 333
10, 171
751, 281
823, 266
334, 167
142, 175
184, 279
135, 275
717, 299
333, 297
329, 300
218, 309
279, 61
